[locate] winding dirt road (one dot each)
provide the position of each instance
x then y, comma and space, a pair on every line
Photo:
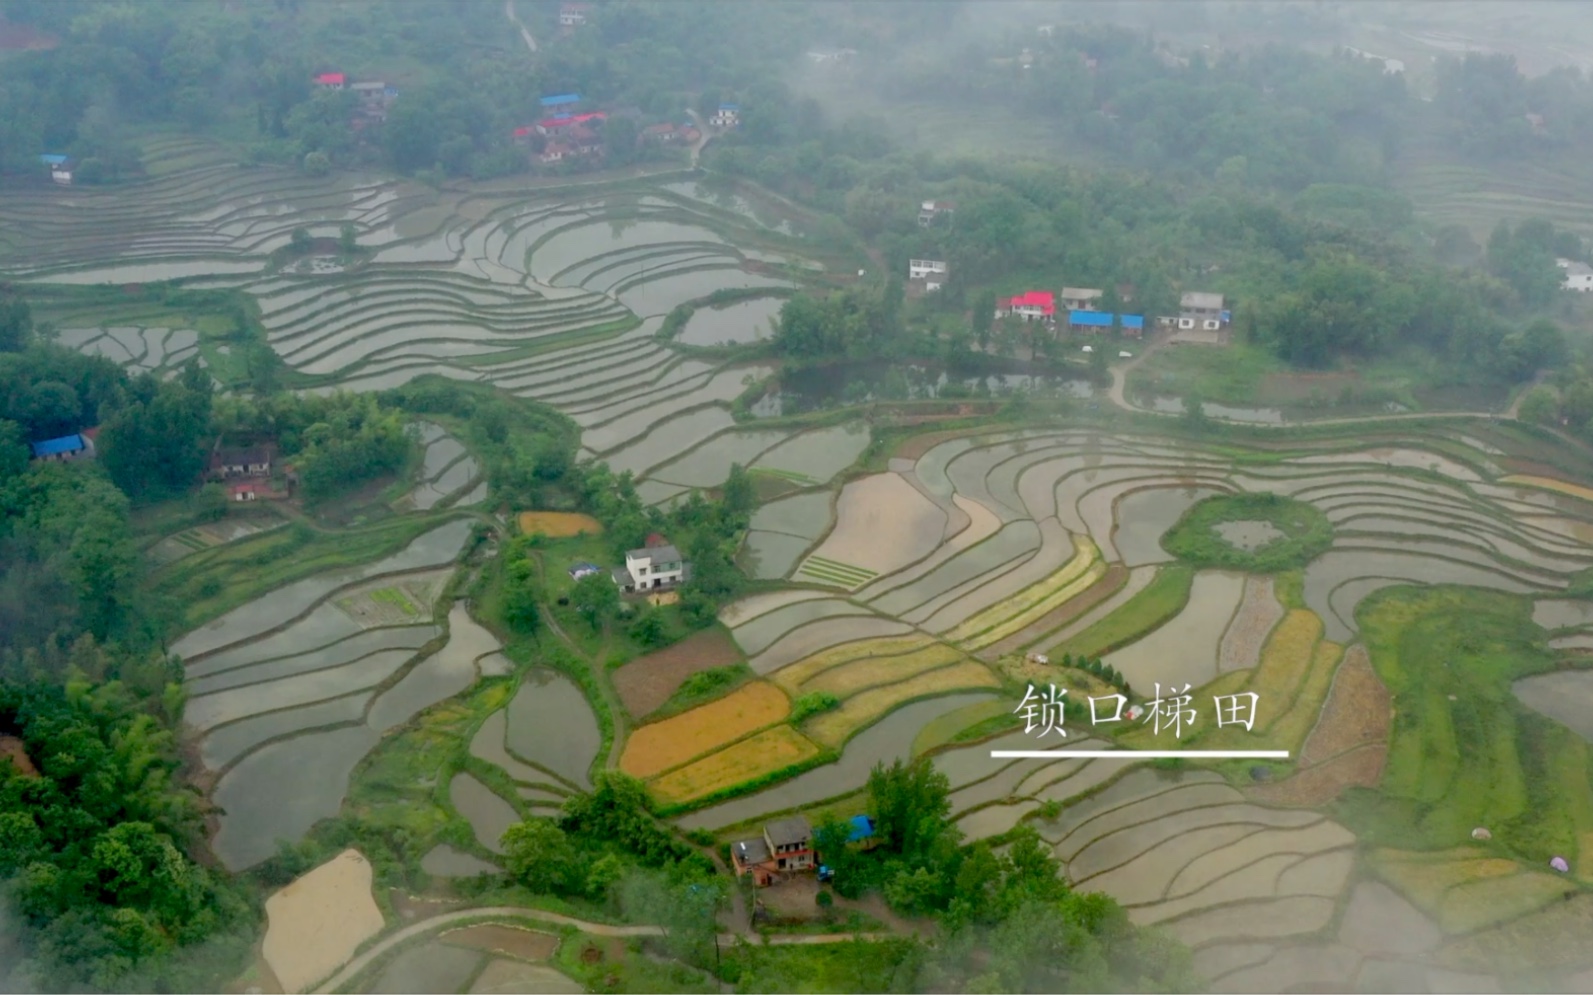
508, 10
348, 971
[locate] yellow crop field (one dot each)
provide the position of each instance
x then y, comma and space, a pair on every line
832, 728
1035, 600
659, 746
1285, 660
1092, 575
1471, 906
558, 524
1549, 484
850, 678
1282, 732
765, 753
1425, 878
795, 675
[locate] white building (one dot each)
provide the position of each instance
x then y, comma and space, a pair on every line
1081, 298
931, 273
1578, 276
654, 566
728, 116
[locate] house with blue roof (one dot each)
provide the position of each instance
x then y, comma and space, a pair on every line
1090, 321
1133, 324
560, 103
63, 449
60, 167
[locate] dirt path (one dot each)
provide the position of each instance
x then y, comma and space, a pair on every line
703, 136
508, 10
364, 960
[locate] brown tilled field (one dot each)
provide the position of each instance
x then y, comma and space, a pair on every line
647, 682
1358, 711
1315, 786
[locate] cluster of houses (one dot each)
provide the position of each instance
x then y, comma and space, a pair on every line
1202, 317
375, 96
786, 848
568, 132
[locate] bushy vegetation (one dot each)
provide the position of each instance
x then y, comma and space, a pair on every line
705, 685
1306, 533
812, 703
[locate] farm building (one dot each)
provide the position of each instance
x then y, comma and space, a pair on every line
254, 461
727, 116
785, 847
1036, 305
331, 81
650, 567
1199, 310
926, 275
1578, 276
1081, 298
560, 103
60, 168
1133, 325
929, 210
1094, 322
63, 449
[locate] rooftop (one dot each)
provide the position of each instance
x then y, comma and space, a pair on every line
242, 457
784, 832
55, 447
753, 851
1092, 319
1042, 299
862, 827
560, 99
1197, 300
1133, 320
657, 554
1080, 293
53, 159
329, 78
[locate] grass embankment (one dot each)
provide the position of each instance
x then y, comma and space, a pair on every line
1306, 533
1162, 599
1448, 656
211, 582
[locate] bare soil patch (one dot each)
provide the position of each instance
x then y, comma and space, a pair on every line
1258, 613
1317, 785
646, 683
319, 921
558, 524
12, 750
1359, 711
525, 944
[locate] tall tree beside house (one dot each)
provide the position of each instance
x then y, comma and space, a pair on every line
984, 313
152, 443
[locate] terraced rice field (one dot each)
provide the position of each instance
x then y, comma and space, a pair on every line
557, 524
659, 746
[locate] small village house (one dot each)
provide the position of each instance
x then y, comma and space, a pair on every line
60, 168
784, 849
651, 567
560, 123
582, 140
1577, 276
560, 104
1036, 305
228, 464
727, 116
929, 210
63, 449
663, 134
1200, 310
1081, 298
823, 56
331, 81
926, 275
375, 97
555, 152
1133, 325
254, 490
573, 15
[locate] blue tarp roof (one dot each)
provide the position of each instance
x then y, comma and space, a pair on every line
55, 447
862, 828
52, 160
1133, 321
1091, 319
562, 98
1227, 316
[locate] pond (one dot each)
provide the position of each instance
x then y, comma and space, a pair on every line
1566, 696
735, 324
1249, 535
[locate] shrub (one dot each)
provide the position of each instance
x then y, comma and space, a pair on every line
812, 704
1306, 533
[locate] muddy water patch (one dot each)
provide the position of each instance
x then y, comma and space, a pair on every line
280, 791
551, 725
737, 324
444, 861
1184, 650
770, 555
489, 815
708, 465
820, 454
430, 967
224, 745
442, 675
1566, 696
804, 515
1143, 517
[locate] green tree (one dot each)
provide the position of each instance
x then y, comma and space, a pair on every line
910, 804
1540, 406
538, 853
348, 240
300, 240
984, 313
317, 164
596, 597
16, 323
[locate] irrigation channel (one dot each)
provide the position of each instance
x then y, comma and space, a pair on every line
914, 586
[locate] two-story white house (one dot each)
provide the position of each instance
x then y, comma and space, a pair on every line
650, 567
1578, 276
929, 274
728, 116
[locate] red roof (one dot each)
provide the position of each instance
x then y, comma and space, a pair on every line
91, 433
523, 131
329, 78
250, 487
1043, 299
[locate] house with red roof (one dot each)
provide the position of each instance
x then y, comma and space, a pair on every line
1036, 305
553, 125
331, 81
